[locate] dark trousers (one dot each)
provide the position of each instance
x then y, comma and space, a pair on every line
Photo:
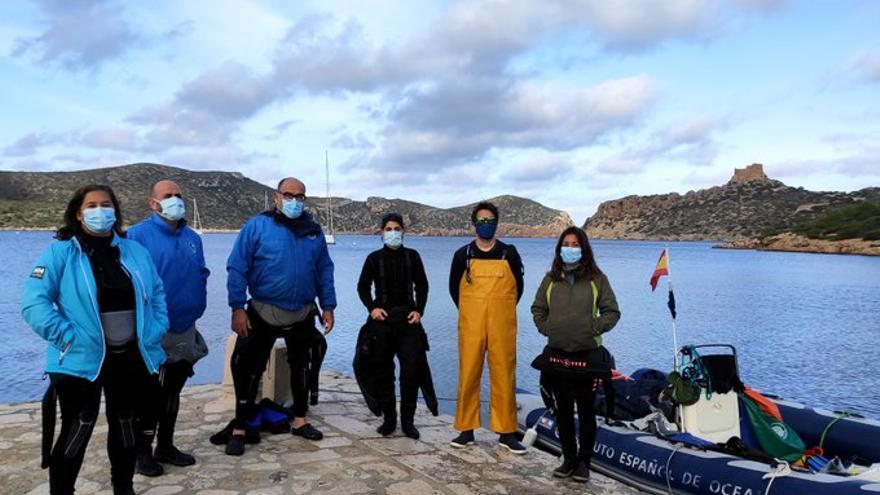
407, 342
123, 377
570, 391
165, 405
249, 360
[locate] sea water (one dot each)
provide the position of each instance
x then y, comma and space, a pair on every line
806, 326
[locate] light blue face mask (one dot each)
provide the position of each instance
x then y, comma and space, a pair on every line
570, 255
99, 220
292, 208
173, 208
392, 238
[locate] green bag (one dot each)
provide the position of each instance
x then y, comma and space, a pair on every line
777, 439
681, 390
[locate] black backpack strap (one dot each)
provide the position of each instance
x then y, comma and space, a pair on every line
382, 283
409, 280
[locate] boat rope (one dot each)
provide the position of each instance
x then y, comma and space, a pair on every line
669, 460
782, 469
834, 421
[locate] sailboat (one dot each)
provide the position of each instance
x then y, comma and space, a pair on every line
197, 220
329, 236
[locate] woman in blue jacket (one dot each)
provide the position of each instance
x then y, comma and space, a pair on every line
96, 298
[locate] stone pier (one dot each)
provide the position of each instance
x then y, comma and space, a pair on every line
352, 458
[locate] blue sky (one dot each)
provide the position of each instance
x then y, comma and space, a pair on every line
569, 102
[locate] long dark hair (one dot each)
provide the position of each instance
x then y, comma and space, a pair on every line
72, 226
586, 267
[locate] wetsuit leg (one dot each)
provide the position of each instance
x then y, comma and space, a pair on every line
124, 377
585, 396
149, 415
248, 362
410, 350
79, 399
173, 377
298, 340
382, 367
564, 393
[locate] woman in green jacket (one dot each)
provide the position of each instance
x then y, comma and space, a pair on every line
574, 306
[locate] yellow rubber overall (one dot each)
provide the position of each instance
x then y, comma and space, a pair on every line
487, 322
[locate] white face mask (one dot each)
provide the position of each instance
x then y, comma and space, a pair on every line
392, 238
173, 208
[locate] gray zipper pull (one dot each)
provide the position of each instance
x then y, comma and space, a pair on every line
64, 351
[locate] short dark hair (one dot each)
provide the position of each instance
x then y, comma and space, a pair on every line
392, 217
587, 266
484, 205
72, 226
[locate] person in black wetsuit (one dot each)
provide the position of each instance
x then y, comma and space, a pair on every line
96, 298
396, 309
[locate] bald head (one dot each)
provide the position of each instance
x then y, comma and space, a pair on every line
164, 189
292, 181
289, 188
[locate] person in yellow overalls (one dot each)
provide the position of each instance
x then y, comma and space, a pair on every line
486, 282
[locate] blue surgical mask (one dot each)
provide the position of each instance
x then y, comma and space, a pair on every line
392, 238
292, 208
173, 208
99, 220
570, 255
486, 231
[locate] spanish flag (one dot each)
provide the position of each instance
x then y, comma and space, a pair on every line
661, 269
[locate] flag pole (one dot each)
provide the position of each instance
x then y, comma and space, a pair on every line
671, 314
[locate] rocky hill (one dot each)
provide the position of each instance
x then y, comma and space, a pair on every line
747, 206
36, 200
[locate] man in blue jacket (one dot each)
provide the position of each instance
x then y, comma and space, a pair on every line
280, 258
180, 260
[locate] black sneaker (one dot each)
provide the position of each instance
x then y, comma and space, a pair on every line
410, 430
387, 427
581, 472
173, 456
308, 432
147, 466
235, 445
123, 490
565, 470
463, 439
509, 442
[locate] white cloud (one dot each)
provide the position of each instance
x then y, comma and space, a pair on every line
80, 35
112, 138
868, 65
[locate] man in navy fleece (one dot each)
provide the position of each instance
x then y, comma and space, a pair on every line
177, 253
280, 259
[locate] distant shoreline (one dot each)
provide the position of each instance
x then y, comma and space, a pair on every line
793, 243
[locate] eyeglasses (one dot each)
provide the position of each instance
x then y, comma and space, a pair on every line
486, 220
290, 196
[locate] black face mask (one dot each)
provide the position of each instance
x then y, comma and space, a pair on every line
486, 231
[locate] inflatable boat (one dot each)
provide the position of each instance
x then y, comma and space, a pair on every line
656, 458
660, 466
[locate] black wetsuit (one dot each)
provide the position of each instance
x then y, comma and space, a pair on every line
401, 287
123, 375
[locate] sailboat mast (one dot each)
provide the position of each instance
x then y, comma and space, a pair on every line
327, 170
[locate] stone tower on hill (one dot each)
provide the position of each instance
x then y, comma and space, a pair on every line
752, 173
